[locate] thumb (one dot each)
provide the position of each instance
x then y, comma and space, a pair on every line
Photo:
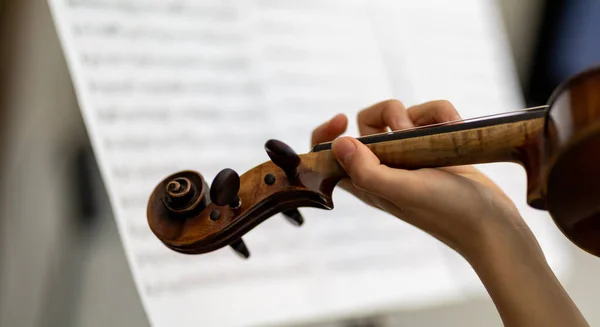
364, 168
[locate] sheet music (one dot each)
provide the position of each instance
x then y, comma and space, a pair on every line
171, 85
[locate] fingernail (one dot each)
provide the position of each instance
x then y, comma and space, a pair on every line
344, 149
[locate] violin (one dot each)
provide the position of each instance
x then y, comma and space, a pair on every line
557, 144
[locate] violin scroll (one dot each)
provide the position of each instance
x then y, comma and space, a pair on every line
189, 217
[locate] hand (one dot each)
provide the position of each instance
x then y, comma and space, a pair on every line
458, 205
461, 207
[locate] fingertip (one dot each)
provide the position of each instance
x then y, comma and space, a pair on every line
329, 130
339, 123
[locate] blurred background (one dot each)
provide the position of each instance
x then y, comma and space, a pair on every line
61, 259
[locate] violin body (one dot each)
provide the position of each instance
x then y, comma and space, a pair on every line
558, 145
570, 175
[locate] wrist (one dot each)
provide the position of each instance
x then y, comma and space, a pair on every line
506, 237
513, 269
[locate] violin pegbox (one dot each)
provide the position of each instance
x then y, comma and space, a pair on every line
190, 217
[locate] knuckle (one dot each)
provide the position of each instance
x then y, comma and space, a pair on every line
392, 104
444, 105
392, 111
361, 114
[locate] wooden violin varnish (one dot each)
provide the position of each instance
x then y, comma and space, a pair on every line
558, 145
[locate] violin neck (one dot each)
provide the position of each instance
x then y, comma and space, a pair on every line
517, 137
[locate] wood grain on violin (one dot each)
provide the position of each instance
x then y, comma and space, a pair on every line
558, 145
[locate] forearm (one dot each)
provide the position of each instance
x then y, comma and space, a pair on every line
521, 284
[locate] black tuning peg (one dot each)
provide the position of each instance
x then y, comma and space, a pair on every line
293, 216
240, 248
284, 157
225, 187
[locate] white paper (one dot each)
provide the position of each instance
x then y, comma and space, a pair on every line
170, 85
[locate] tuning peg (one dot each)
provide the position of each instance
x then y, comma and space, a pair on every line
284, 157
294, 216
240, 248
225, 187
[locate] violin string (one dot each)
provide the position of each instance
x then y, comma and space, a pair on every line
468, 120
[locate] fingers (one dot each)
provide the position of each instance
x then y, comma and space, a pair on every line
328, 131
393, 114
433, 112
365, 170
368, 176
380, 116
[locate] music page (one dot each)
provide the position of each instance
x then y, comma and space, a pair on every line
172, 85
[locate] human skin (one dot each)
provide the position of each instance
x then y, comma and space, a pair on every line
459, 206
